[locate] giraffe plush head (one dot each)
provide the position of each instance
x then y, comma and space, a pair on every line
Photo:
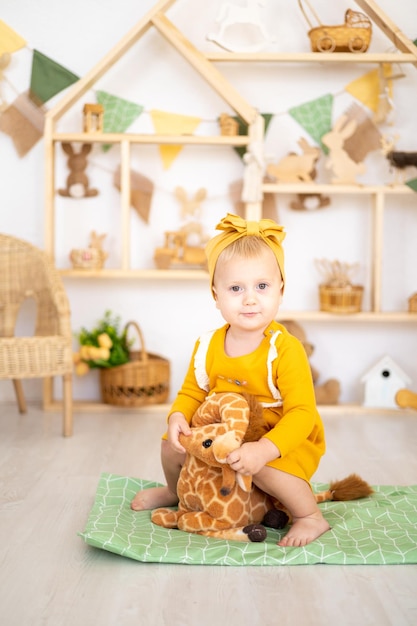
213, 499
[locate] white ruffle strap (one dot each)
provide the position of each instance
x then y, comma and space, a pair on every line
200, 360
272, 355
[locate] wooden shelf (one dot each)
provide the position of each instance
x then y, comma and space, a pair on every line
331, 189
203, 140
311, 57
145, 274
327, 410
201, 275
381, 317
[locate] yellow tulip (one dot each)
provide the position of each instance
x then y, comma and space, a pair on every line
93, 353
84, 352
81, 368
104, 353
104, 341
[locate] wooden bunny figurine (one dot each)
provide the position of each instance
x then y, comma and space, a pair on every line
294, 168
344, 168
190, 206
190, 213
77, 181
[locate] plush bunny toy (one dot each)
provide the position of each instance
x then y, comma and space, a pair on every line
77, 181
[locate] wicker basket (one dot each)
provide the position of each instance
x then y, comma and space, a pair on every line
341, 299
143, 380
412, 303
352, 36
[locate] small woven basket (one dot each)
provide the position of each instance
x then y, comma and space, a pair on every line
143, 380
412, 303
341, 299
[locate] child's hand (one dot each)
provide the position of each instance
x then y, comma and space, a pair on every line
177, 424
252, 456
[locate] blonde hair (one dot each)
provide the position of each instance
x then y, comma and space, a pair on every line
233, 228
249, 247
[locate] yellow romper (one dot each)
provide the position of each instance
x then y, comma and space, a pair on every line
278, 374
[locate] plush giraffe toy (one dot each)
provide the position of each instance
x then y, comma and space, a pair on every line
216, 501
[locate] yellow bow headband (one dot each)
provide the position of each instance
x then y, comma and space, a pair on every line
235, 227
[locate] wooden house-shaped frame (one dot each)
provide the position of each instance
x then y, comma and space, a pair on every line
205, 64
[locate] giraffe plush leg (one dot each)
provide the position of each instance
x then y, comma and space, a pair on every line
276, 518
255, 532
251, 533
200, 522
167, 518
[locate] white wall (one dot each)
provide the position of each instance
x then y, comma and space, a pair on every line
173, 313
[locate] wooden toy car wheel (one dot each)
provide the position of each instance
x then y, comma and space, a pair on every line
326, 44
357, 44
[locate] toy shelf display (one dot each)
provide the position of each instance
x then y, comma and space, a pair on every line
205, 65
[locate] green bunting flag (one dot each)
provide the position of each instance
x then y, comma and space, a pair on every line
315, 117
412, 183
48, 78
243, 130
119, 114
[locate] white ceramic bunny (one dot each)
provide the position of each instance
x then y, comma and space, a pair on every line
344, 168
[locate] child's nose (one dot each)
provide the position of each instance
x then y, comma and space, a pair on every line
250, 296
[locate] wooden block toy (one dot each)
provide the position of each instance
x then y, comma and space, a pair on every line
93, 118
406, 399
228, 126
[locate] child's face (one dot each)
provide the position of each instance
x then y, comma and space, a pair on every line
248, 291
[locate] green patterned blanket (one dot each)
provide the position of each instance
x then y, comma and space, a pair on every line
379, 530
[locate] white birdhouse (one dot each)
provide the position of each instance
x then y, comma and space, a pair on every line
382, 382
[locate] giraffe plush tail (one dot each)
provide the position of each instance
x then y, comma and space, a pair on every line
352, 487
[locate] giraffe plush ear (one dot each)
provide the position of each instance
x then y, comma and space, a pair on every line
222, 446
244, 482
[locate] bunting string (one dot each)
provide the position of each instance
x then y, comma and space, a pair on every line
48, 78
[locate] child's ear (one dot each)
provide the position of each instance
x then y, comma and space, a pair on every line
281, 293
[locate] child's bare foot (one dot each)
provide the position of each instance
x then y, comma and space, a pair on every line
153, 498
304, 530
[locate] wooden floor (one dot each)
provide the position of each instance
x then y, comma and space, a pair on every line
50, 577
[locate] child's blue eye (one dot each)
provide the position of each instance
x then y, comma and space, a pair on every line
235, 288
262, 286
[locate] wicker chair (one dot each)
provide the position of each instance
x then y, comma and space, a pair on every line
27, 272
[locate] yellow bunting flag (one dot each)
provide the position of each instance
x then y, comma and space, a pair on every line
172, 124
367, 88
10, 41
